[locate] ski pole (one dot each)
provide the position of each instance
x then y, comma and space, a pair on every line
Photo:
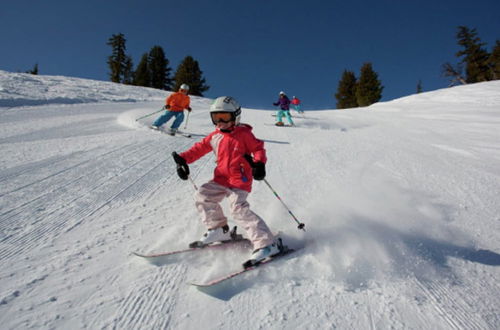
301, 225
187, 118
162, 109
192, 182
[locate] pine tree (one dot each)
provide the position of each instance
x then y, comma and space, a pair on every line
346, 91
34, 70
369, 88
419, 87
128, 71
119, 63
159, 70
494, 61
188, 72
475, 57
455, 72
142, 75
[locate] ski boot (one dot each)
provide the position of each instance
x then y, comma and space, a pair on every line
217, 235
264, 253
280, 123
172, 131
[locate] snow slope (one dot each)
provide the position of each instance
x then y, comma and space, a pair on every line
400, 201
20, 89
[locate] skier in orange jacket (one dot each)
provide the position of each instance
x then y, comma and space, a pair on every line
175, 105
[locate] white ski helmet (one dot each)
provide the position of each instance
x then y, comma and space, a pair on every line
282, 93
226, 104
184, 87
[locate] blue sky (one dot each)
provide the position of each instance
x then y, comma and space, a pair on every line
251, 49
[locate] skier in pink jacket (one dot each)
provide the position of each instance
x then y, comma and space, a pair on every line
232, 142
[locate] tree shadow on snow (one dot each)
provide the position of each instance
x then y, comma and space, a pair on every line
438, 251
410, 253
276, 142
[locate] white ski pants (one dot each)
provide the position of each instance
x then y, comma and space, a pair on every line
208, 199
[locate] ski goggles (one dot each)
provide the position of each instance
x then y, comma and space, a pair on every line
222, 117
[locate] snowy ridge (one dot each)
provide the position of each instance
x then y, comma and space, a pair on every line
23, 89
400, 202
485, 93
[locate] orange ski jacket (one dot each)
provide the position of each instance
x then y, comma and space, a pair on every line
177, 102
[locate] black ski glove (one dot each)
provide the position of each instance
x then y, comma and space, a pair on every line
182, 166
258, 169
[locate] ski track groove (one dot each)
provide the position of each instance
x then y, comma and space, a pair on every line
460, 312
441, 297
370, 312
125, 189
67, 211
143, 305
168, 176
66, 168
26, 168
43, 179
65, 183
5, 223
53, 230
153, 183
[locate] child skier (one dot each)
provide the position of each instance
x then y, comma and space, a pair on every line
284, 104
233, 143
175, 105
296, 104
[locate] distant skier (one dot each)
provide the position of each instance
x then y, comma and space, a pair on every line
296, 104
284, 104
233, 144
175, 105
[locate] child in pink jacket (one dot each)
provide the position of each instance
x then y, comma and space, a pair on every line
231, 142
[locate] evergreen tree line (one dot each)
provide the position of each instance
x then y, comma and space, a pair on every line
153, 69
362, 92
479, 64
476, 65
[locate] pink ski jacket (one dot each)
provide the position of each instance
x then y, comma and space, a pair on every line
232, 169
